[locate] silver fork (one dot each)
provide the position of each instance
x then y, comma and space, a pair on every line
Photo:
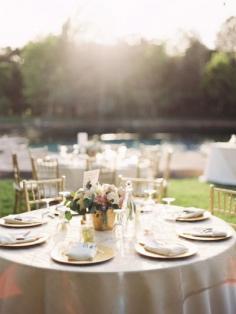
22, 236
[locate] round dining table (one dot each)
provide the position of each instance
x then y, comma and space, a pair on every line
32, 282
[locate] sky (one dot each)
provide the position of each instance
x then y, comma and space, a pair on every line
107, 21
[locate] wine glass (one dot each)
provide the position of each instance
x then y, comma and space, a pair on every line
168, 200
150, 193
47, 202
169, 213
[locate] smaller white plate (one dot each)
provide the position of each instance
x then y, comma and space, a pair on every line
192, 250
206, 215
199, 238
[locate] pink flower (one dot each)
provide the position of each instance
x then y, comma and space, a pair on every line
101, 200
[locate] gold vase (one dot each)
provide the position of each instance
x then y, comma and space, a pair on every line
104, 220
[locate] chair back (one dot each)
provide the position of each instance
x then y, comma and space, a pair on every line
107, 172
222, 201
46, 168
16, 170
42, 192
153, 154
141, 185
38, 152
166, 170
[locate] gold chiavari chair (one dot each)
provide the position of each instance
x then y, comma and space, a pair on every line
106, 175
140, 185
153, 154
38, 152
44, 168
223, 201
43, 192
17, 184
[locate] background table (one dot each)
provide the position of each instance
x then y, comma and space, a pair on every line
33, 283
221, 164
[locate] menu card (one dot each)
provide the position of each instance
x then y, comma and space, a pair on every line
90, 177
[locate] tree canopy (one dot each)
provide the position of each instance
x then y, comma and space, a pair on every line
57, 77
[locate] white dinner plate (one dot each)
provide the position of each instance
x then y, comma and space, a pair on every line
25, 225
204, 238
141, 250
42, 238
206, 215
104, 253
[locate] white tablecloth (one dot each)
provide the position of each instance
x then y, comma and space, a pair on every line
221, 164
129, 284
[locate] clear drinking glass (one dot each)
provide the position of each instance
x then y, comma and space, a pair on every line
119, 223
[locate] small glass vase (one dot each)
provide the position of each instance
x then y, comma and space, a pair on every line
104, 220
130, 212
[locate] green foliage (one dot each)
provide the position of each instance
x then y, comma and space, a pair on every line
68, 215
10, 88
40, 62
220, 84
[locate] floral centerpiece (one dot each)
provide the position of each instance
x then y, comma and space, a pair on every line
99, 200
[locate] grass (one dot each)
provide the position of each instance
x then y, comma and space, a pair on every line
6, 197
187, 192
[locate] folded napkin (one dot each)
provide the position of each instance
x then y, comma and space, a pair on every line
20, 220
191, 212
165, 248
82, 251
206, 232
14, 239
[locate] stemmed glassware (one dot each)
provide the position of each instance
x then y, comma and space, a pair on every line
169, 212
150, 193
169, 215
168, 200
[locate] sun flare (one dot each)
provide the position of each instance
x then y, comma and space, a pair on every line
107, 21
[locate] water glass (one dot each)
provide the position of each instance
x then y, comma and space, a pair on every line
87, 233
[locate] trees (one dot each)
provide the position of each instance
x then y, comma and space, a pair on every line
40, 61
226, 38
57, 77
11, 99
220, 85
181, 92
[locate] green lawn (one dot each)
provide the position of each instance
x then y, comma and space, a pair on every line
6, 197
187, 192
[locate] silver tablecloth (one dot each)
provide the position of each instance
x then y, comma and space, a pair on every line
31, 282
